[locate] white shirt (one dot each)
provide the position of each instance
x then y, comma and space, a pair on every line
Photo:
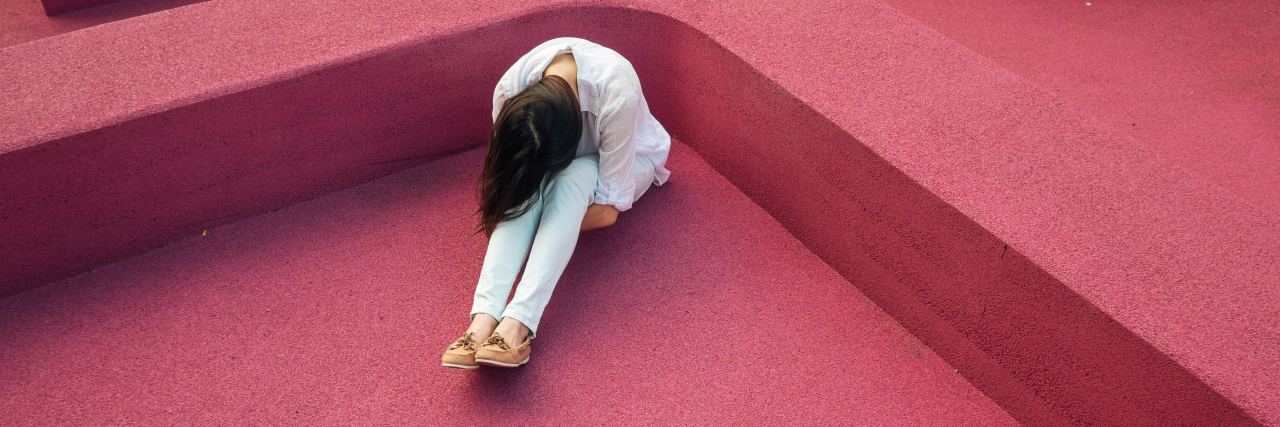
616, 122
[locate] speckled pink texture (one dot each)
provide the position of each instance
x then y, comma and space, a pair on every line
53, 7
1195, 82
987, 179
335, 311
25, 20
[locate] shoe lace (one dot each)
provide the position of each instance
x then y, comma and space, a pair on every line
497, 340
466, 342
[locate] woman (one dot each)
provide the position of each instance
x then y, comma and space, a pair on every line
573, 144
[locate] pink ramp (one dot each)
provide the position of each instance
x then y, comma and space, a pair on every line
335, 310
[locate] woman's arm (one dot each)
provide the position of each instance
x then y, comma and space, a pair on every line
599, 216
615, 189
618, 125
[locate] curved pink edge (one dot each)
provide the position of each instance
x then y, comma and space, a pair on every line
1012, 329
23, 22
54, 7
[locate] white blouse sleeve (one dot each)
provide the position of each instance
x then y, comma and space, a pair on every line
618, 154
499, 97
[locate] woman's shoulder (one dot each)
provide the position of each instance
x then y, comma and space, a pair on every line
551, 47
611, 73
528, 67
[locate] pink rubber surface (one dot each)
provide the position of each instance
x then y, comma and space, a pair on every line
1194, 81
975, 178
696, 308
25, 20
54, 7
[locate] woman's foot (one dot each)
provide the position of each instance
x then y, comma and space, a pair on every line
497, 352
500, 351
462, 352
511, 330
482, 325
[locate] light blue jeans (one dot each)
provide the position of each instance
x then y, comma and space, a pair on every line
546, 236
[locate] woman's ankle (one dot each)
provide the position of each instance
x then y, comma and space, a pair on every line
482, 325
512, 330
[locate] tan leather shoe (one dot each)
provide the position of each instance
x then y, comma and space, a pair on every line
496, 352
462, 353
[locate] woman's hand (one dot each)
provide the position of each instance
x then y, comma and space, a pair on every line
599, 216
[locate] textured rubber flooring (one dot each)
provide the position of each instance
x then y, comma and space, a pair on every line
1155, 246
696, 307
1195, 81
25, 20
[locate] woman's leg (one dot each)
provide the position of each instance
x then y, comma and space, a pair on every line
568, 197
508, 247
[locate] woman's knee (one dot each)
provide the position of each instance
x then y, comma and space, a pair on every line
579, 177
589, 163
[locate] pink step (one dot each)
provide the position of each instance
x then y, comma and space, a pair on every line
1067, 272
697, 308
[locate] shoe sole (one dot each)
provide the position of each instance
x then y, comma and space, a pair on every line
496, 363
454, 365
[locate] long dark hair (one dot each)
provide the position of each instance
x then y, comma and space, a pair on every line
535, 135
